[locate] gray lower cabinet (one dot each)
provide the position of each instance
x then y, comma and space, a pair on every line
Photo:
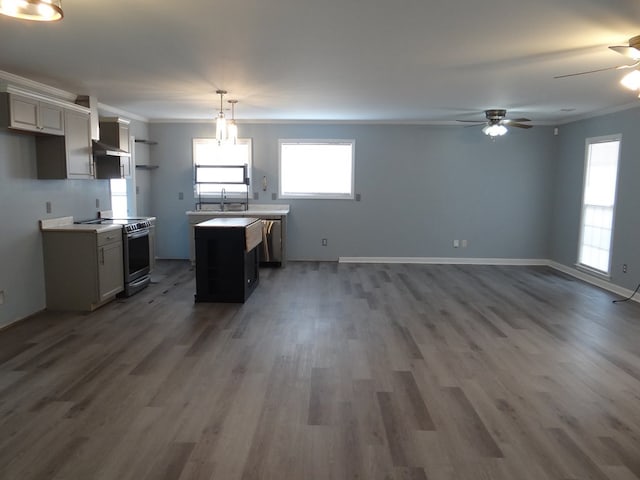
70, 155
83, 269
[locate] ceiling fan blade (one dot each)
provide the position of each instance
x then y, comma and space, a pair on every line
619, 67
470, 121
627, 51
510, 120
519, 125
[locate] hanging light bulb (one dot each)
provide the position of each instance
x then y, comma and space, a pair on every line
232, 128
221, 122
631, 80
38, 10
495, 130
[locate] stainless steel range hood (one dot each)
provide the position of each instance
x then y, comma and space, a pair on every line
101, 149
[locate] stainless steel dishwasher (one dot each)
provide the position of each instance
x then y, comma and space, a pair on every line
270, 251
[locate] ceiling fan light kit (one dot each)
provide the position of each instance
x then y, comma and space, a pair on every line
495, 130
36, 10
496, 123
631, 80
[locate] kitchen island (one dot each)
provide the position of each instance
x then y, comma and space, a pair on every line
227, 259
276, 214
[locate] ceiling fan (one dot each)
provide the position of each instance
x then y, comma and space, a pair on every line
496, 123
631, 51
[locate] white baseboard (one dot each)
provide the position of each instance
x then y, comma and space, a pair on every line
598, 282
447, 260
593, 280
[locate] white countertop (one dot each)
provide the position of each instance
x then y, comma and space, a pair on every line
65, 224
74, 227
259, 210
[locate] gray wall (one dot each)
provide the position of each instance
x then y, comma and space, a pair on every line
421, 187
569, 173
22, 204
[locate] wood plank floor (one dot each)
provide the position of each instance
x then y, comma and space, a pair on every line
331, 372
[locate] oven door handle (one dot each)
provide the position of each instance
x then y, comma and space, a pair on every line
138, 233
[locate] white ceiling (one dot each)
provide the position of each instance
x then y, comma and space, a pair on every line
348, 60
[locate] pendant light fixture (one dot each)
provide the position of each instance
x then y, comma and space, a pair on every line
221, 122
37, 10
232, 128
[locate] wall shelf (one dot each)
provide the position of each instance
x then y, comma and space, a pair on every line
146, 167
145, 142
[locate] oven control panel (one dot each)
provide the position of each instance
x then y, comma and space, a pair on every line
134, 227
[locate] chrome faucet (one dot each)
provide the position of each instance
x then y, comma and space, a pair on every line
223, 194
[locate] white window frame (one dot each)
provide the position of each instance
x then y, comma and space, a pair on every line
316, 195
229, 188
588, 142
118, 194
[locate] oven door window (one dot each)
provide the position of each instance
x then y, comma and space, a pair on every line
138, 252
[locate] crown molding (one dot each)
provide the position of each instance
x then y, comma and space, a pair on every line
104, 108
12, 79
598, 113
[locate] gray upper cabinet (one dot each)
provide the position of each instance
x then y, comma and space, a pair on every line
32, 115
69, 156
78, 145
114, 132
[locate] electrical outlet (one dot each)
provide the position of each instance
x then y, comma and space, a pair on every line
624, 268
180, 195
1, 297
256, 195
324, 242
464, 244
47, 207
97, 203
456, 243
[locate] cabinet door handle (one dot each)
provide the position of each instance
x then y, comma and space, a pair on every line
102, 256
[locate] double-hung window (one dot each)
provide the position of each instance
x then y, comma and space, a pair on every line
598, 203
207, 152
318, 169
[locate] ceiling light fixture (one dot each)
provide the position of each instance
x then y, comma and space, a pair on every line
232, 127
495, 130
37, 10
221, 122
631, 80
